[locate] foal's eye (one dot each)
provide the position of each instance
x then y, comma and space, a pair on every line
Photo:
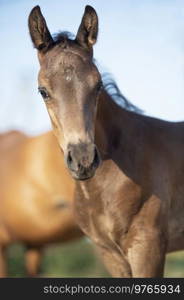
43, 92
99, 87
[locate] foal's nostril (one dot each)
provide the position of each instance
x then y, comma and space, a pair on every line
96, 160
69, 159
83, 160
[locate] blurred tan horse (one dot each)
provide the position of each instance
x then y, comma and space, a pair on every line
35, 196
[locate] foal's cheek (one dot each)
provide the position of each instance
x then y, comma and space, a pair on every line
62, 143
57, 129
60, 138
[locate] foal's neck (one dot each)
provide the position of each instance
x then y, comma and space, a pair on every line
117, 129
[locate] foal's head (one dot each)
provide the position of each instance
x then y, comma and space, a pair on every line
70, 84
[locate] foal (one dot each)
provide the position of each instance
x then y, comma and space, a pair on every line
129, 167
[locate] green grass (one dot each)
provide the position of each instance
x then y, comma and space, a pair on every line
75, 259
78, 259
175, 265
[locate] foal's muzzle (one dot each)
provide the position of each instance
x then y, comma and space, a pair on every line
82, 160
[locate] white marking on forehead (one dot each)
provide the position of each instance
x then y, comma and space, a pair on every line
68, 78
69, 73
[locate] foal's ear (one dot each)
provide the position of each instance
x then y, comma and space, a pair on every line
38, 29
88, 29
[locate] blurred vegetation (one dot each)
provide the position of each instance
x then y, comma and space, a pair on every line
78, 259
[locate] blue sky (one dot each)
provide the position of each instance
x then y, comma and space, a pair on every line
141, 43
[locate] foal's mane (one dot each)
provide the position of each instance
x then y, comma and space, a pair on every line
64, 38
113, 90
